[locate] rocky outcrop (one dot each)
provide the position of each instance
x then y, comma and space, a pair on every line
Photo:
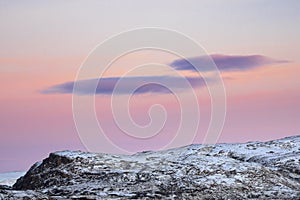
254, 170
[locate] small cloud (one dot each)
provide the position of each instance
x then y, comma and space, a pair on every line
225, 62
127, 85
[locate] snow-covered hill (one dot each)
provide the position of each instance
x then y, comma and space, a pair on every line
9, 178
257, 170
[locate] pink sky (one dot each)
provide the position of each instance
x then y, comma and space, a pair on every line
44, 50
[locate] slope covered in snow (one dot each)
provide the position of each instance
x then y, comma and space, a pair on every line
9, 178
257, 170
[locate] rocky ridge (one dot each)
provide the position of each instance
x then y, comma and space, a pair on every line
253, 170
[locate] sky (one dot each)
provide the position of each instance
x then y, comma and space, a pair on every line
255, 45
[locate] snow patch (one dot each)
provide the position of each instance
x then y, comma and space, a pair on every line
9, 178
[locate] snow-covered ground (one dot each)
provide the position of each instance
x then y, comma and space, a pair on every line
9, 178
252, 170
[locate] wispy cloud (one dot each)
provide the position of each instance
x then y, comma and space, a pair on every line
225, 62
143, 84
150, 84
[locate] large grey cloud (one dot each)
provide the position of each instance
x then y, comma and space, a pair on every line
225, 62
144, 84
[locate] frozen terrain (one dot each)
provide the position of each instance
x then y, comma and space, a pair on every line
253, 170
9, 178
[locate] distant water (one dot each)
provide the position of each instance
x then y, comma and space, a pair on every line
9, 178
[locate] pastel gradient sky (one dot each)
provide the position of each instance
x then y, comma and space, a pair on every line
254, 43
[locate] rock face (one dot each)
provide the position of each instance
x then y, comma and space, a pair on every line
257, 170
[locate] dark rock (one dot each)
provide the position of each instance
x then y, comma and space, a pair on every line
5, 187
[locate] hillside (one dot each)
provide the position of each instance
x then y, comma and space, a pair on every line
257, 170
